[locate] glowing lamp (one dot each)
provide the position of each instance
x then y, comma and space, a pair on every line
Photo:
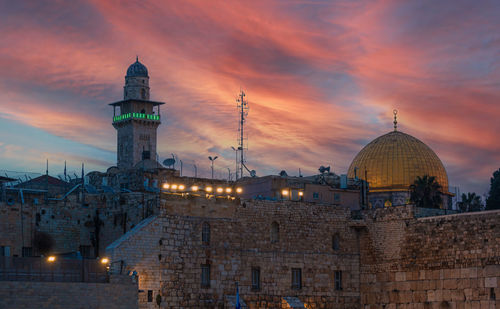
284, 192
174, 187
51, 259
220, 190
194, 188
104, 261
229, 190
239, 190
208, 189
181, 187
301, 193
166, 186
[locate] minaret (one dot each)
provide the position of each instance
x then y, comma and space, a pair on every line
137, 119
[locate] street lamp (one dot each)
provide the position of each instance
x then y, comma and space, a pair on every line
212, 159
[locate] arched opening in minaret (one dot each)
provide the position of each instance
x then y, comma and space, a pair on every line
143, 93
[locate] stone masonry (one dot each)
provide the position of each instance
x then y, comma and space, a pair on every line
389, 258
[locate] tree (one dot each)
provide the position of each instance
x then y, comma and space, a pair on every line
470, 202
493, 200
426, 192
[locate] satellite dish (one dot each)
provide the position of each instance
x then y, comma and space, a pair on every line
169, 162
283, 173
253, 173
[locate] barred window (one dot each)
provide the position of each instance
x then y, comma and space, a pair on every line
205, 275
296, 278
27, 251
205, 233
338, 280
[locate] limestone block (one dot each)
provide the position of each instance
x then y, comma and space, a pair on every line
491, 282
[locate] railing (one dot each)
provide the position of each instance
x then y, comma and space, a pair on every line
127, 116
60, 270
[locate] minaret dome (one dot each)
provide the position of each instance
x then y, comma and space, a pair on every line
136, 82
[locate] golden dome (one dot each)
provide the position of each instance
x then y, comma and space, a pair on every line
394, 160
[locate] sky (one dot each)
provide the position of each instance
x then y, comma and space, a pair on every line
321, 78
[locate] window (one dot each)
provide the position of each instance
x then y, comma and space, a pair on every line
205, 233
4, 251
296, 278
336, 242
338, 280
85, 251
275, 232
27, 251
255, 278
336, 197
205, 275
143, 94
316, 195
150, 296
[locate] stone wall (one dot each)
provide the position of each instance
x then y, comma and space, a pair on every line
72, 223
450, 261
63, 295
240, 238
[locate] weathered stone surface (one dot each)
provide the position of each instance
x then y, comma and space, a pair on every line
63, 295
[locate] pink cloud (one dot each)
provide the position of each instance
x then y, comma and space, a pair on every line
322, 78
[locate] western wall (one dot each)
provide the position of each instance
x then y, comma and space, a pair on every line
400, 257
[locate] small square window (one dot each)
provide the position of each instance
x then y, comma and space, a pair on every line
296, 278
316, 195
86, 251
336, 197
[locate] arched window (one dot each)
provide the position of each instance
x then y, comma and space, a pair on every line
336, 242
275, 232
143, 93
205, 233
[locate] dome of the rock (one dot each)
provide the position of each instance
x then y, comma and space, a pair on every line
393, 161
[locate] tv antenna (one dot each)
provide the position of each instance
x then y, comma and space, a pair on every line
243, 113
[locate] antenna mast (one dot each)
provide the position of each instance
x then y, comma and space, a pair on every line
243, 112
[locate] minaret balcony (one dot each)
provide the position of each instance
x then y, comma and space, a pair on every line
139, 116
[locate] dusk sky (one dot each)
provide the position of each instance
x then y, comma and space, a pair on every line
321, 77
